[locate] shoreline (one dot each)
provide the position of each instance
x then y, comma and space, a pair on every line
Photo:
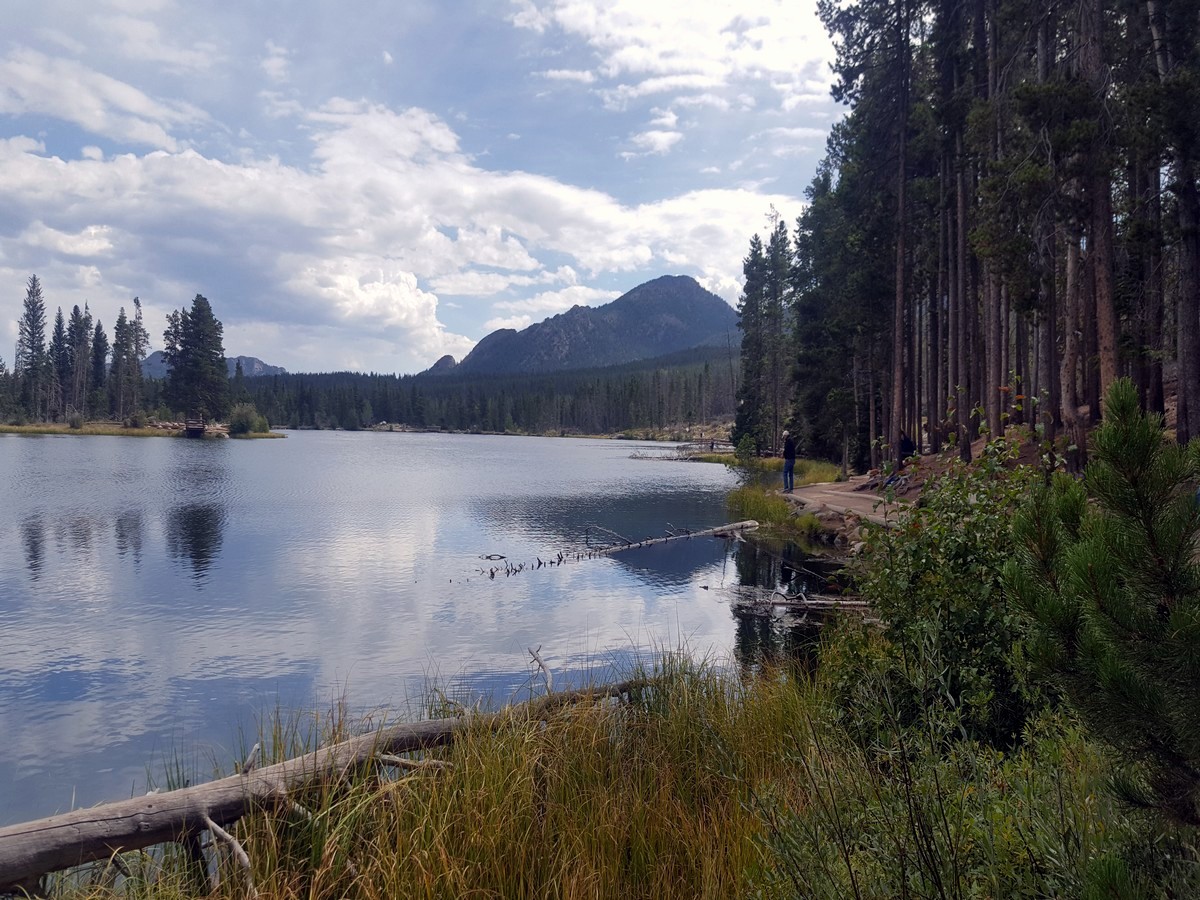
96, 429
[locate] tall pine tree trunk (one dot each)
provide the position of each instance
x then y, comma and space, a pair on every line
898, 369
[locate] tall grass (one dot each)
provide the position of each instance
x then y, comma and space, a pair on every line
700, 784
651, 796
772, 511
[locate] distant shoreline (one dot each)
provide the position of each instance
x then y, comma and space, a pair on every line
109, 429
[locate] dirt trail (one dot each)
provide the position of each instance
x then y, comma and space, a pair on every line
841, 497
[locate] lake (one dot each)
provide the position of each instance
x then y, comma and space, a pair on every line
160, 598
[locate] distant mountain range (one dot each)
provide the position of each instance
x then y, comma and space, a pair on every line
663, 316
153, 366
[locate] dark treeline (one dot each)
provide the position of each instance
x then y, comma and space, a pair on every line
1006, 222
78, 373
692, 388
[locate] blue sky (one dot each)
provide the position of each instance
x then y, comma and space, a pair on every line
370, 185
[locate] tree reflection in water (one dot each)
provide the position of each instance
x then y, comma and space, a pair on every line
33, 539
762, 638
194, 533
129, 531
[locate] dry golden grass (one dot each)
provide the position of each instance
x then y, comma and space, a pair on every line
88, 428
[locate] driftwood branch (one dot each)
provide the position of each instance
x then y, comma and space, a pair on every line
239, 852
413, 765
32, 849
545, 669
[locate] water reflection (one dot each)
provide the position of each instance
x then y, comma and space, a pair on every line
766, 635
75, 534
763, 640
128, 531
582, 522
33, 539
675, 564
195, 528
194, 534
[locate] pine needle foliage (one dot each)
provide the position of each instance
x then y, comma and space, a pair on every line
1108, 572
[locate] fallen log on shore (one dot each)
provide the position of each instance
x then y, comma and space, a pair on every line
32, 849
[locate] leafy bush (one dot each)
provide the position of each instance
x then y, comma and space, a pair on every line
75, 420
935, 578
245, 419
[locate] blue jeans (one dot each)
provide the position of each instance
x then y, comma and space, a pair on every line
788, 466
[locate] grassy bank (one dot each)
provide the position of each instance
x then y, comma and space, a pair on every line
88, 428
703, 784
766, 506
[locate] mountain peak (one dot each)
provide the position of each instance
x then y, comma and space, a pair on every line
665, 315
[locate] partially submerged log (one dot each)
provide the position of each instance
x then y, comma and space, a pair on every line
726, 531
32, 849
762, 600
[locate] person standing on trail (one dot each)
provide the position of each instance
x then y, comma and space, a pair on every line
789, 462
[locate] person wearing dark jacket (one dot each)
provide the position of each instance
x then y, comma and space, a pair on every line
789, 462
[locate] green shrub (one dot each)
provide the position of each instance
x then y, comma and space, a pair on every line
245, 419
746, 450
935, 577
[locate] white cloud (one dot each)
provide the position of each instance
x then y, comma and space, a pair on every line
137, 38
349, 219
275, 63
654, 142
474, 283
549, 303
580, 75
91, 241
664, 118
32, 83
387, 58
517, 323
705, 47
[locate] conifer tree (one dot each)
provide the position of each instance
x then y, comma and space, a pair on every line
79, 337
29, 365
1113, 587
60, 365
197, 380
98, 377
752, 393
120, 391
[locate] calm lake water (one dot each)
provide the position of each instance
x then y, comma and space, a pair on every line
160, 598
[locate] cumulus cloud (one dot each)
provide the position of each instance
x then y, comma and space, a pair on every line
654, 141
652, 49
363, 231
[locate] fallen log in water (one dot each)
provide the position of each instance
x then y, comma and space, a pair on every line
732, 530
761, 600
32, 849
